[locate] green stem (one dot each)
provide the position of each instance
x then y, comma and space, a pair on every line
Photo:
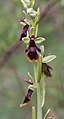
39, 109
39, 72
35, 71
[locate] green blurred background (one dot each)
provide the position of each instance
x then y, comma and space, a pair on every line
13, 73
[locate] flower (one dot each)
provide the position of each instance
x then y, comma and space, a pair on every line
24, 32
27, 98
46, 70
32, 49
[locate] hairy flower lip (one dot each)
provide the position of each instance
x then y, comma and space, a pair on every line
32, 49
24, 31
32, 56
46, 70
27, 98
26, 28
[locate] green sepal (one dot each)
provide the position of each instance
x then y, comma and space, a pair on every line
26, 39
32, 87
48, 58
39, 40
31, 12
23, 23
25, 3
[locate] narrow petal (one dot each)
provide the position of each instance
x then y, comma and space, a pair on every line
29, 82
38, 48
26, 50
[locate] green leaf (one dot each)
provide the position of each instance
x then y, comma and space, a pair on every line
32, 3
39, 40
25, 3
37, 17
48, 58
26, 39
31, 11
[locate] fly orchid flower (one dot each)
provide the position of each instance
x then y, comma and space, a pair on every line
24, 31
32, 49
46, 70
27, 98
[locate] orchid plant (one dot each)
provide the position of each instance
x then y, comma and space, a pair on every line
35, 54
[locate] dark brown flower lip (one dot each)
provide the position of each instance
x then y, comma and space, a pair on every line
24, 32
32, 56
31, 51
27, 98
46, 70
26, 28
